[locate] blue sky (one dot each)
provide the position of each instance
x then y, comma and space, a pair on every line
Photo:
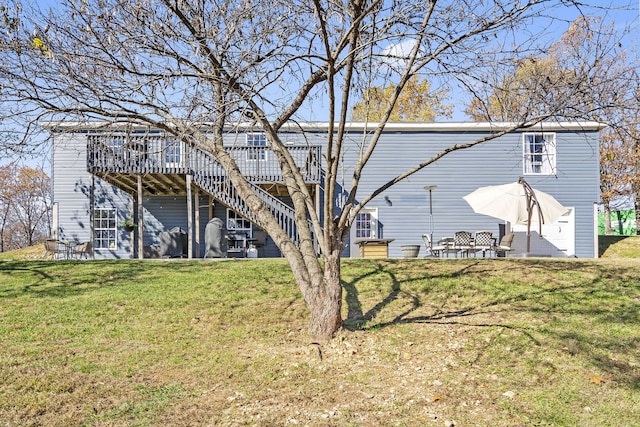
625, 13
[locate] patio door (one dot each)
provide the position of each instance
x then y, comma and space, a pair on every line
364, 227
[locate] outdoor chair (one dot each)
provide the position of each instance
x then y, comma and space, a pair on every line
462, 242
81, 250
431, 249
483, 241
505, 245
54, 249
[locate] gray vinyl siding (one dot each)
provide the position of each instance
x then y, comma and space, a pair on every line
459, 173
166, 212
575, 185
71, 193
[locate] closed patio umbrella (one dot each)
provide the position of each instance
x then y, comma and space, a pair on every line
517, 203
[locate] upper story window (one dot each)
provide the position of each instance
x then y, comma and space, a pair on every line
172, 153
257, 140
539, 153
116, 144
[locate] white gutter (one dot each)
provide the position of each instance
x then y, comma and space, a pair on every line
63, 126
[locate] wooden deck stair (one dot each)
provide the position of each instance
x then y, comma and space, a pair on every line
165, 163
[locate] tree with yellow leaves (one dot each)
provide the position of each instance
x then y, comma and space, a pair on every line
417, 103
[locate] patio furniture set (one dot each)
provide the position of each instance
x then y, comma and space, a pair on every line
464, 242
64, 249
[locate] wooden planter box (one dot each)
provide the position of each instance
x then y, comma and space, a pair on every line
374, 248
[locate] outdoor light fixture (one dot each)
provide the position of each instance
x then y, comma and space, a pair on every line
430, 188
387, 201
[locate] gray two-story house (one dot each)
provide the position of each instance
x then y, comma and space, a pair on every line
103, 176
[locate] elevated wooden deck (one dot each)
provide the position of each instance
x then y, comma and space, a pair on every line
164, 163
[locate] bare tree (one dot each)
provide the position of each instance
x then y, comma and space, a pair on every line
6, 204
175, 64
24, 206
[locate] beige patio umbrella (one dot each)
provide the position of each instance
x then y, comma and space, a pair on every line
517, 203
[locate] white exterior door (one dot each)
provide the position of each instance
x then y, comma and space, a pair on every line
364, 227
562, 233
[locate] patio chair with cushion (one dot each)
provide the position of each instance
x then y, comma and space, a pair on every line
505, 245
483, 242
432, 250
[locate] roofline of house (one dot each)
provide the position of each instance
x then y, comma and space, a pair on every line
80, 126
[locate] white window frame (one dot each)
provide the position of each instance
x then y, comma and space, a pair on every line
256, 139
238, 223
172, 153
240, 228
539, 153
366, 224
105, 232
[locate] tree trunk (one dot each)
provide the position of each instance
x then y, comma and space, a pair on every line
607, 219
325, 302
637, 207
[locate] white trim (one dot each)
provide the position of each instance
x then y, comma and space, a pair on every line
113, 229
596, 237
548, 158
374, 228
351, 126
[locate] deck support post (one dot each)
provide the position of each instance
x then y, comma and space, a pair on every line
189, 218
196, 229
92, 201
140, 220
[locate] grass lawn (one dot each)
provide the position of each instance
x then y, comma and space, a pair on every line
473, 342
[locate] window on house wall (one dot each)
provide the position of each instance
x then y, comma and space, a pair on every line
539, 153
237, 223
239, 229
116, 144
366, 225
257, 140
104, 228
172, 153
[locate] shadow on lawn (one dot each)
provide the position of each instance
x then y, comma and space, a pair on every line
52, 279
554, 301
